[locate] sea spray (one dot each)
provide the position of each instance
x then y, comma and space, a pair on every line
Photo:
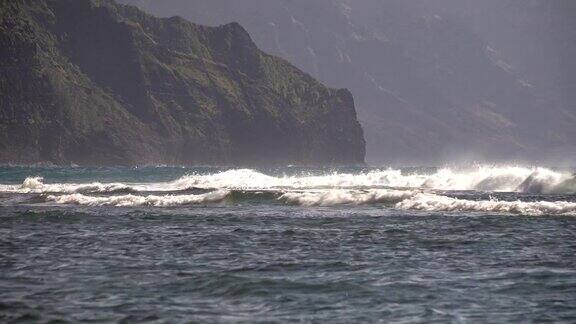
438, 203
488, 179
445, 190
498, 179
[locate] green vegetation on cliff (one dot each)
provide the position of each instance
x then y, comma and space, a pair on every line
93, 82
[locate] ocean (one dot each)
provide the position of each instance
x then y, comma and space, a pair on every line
171, 244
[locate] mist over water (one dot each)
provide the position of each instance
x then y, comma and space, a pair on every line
287, 244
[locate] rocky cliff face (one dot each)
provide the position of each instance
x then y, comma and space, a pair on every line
92, 82
429, 85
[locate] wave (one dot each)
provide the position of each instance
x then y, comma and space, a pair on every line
438, 203
346, 197
36, 185
422, 201
503, 179
135, 200
417, 200
488, 179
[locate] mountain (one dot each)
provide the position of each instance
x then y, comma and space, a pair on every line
93, 82
535, 37
434, 81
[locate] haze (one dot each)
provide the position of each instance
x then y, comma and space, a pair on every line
433, 81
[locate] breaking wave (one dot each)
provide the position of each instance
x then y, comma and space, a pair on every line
399, 199
497, 179
37, 185
134, 200
346, 197
440, 191
433, 202
422, 201
510, 179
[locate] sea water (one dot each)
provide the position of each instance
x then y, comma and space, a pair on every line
475, 244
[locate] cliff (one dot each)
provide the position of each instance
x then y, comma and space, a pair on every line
432, 82
93, 82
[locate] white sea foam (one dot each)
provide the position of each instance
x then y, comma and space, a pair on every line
433, 202
533, 180
342, 197
135, 200
511, 179
547, 181
33, 183
37, 185
418, 200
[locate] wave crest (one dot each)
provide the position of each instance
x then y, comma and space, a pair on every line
345, 197
509, 179
422, 201
134, 200
437, 203
37, 185
417, 200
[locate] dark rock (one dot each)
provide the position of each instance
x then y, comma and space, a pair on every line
92, 82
